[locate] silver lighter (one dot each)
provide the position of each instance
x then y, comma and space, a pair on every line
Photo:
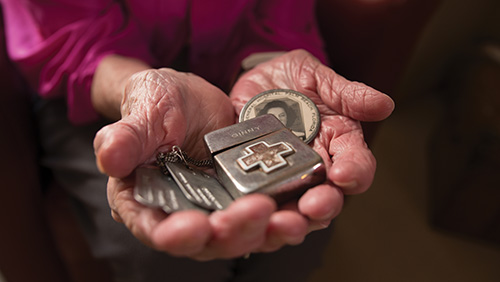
262, 156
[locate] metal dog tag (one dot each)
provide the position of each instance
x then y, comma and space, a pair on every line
261, 155
199, 187
157, 190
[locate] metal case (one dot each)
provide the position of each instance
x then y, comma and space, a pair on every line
262, 156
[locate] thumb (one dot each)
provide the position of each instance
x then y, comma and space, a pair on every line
352, 99
118, 149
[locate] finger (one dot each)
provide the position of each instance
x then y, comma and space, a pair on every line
139, 219
352, 99
321, 203
350, 163
354, 165
182, 233
121, 146
286, 227
117, 148
240, 228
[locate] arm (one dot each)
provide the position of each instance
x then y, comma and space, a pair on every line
157, 108
109, 83
59, 57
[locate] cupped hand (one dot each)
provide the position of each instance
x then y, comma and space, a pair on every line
162, 108
342, 105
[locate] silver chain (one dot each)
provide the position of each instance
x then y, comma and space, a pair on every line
177, 155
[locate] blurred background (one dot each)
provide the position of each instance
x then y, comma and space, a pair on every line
433, 212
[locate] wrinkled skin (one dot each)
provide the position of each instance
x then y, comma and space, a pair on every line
162, 108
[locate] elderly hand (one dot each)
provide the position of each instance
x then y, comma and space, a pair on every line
342, 104
162, 108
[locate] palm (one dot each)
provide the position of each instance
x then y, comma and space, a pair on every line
162, 108
168, 108
341, 104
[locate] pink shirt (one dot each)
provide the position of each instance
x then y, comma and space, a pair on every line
57, 44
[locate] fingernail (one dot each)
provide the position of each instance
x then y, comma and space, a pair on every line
327, 218
347, 185
319, 225
99, 166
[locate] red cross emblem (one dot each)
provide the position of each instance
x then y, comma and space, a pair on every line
267, 157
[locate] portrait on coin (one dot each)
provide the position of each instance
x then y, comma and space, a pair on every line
287, 111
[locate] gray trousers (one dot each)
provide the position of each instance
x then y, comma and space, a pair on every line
68, 153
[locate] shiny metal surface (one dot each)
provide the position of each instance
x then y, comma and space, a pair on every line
157, 190
199, 187
236, 134
294, 109
303, 167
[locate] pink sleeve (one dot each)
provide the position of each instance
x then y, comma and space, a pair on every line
285, 25
249, 27
58, 44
